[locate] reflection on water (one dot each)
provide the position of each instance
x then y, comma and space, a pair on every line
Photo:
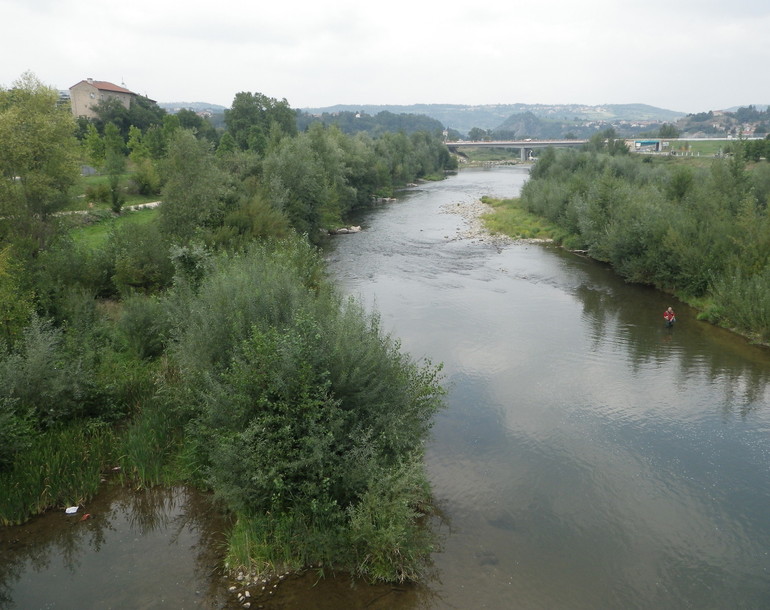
137, 549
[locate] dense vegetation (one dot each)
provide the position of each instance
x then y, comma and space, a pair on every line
204, 344
701, 231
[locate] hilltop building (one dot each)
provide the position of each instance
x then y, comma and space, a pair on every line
86, 94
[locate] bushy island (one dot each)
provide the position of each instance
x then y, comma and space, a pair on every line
200, 341
695, 228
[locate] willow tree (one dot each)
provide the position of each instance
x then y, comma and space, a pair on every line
193, 196
38, 159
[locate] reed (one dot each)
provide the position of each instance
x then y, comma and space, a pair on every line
149, 445
61, 467
270, 544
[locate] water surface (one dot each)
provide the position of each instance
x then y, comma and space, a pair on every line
588, 458
153, 548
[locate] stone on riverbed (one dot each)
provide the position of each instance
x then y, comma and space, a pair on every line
344, 230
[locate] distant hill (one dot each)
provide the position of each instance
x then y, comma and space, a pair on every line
491, 116
382, 122
761, 107
196, 106
749, 121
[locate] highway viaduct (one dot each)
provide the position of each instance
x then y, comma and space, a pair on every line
526, 146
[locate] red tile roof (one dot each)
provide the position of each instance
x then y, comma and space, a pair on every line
103, 85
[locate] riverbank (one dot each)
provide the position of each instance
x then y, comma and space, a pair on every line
482, 216
477, 229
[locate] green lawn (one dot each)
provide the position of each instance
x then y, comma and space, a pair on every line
95, 235
80, 200
708, 148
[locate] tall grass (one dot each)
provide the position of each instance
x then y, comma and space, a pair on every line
149, 445
509, 218
64, 467
61, 467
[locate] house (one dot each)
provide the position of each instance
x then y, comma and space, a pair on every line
88, 93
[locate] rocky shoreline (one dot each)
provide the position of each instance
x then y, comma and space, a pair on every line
471, 212
250, 589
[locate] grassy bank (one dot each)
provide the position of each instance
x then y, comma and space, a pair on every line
509, 218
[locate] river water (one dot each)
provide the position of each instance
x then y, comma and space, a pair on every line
587, 458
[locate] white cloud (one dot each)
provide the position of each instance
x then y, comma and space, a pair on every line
688, 55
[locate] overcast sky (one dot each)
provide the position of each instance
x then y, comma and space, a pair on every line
684, 55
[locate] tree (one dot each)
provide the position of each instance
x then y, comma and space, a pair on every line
477, 134
227, 144
94, 146
189, 119
142, 113
136, 145
155, 141
114, 164
607, 141
295, 184
15, 303
193, 196
111, 110
667, 130
38, 159
251, 116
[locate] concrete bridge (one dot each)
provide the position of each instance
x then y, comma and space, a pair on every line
526, 146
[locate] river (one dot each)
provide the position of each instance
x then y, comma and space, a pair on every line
587, 458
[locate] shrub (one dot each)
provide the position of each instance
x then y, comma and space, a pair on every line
68, 268
39, 377
142, 261
16, 430
145, 180
742, 300
143, 326
98, 193
301, 404
388, 539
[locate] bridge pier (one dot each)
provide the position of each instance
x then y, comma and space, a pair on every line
525, 153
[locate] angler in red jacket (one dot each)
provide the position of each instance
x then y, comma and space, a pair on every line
670, 317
